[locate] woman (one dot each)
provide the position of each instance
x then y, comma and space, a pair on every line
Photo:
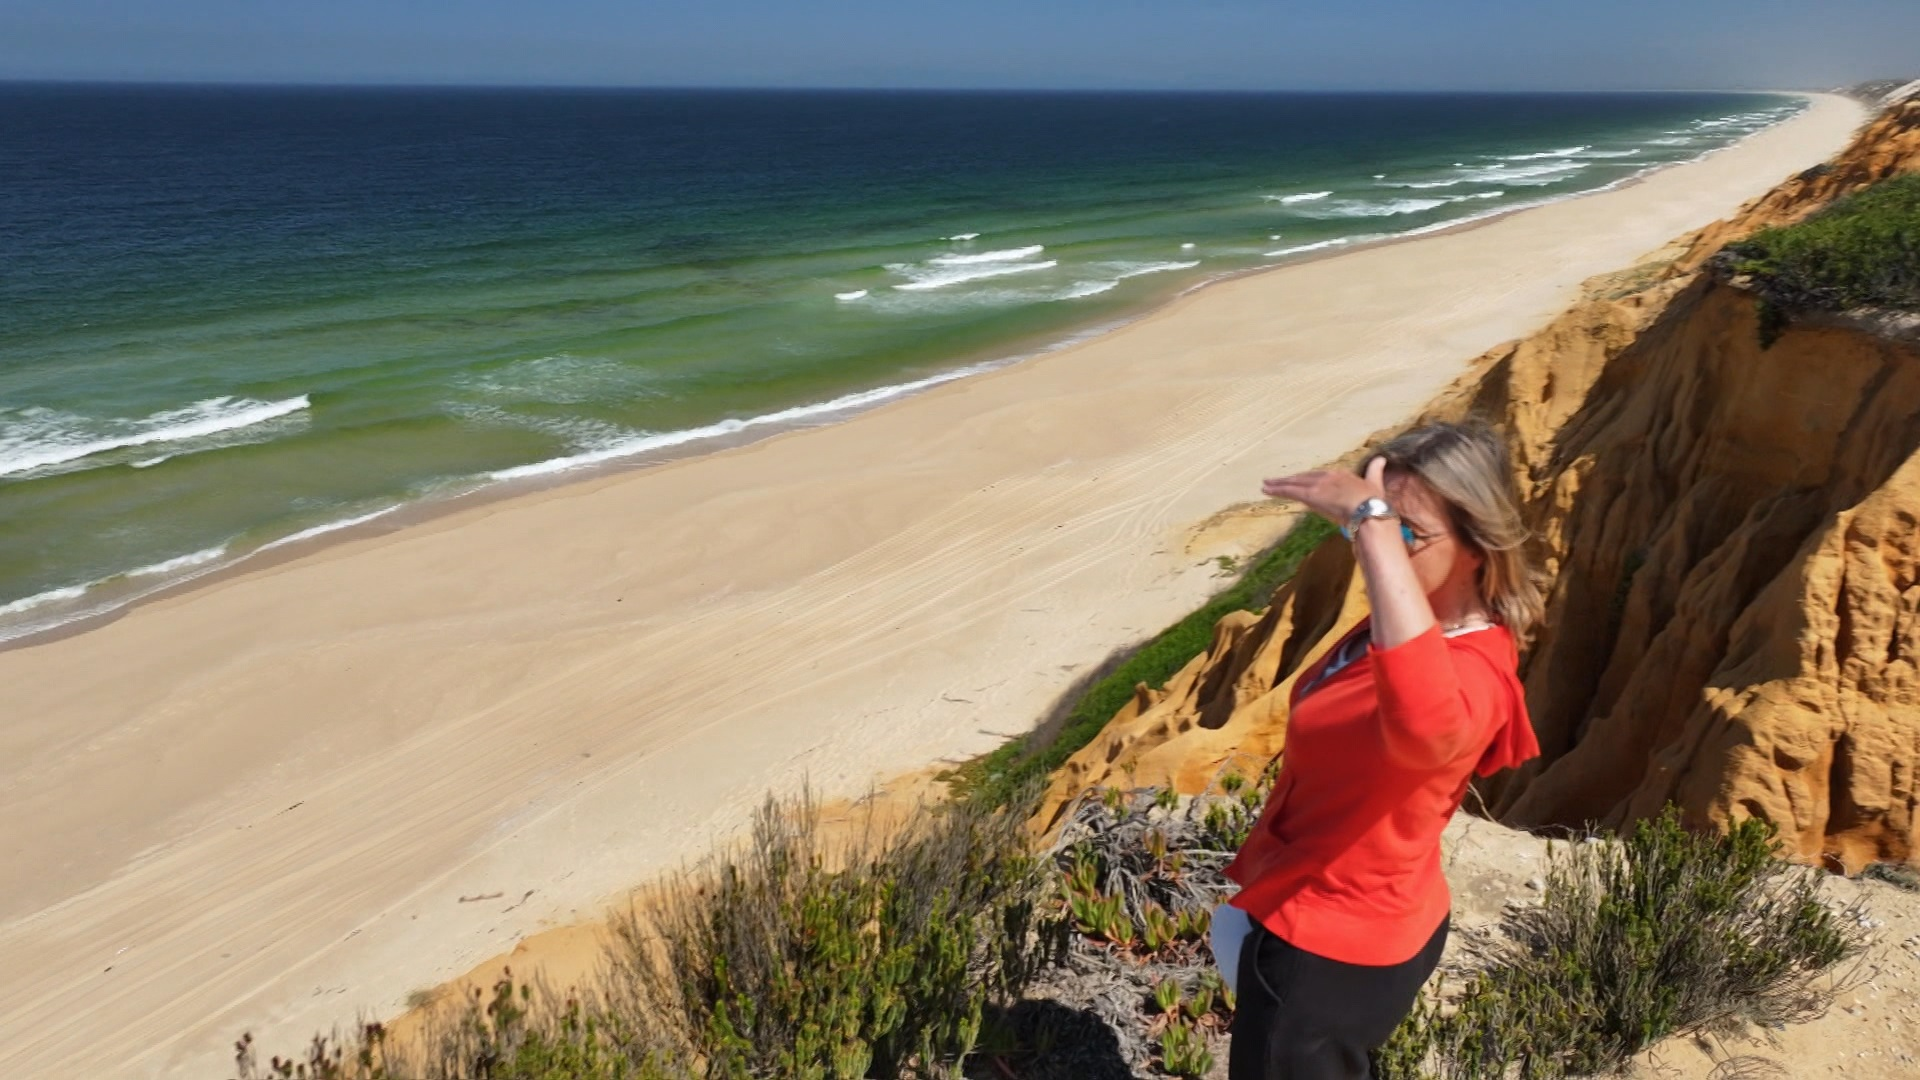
1341, 876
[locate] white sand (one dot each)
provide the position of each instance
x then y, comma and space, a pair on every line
259, 804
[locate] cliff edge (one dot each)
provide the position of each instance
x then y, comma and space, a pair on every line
1731, 539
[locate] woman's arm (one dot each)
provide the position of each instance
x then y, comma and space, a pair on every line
1431, 707
1400, 609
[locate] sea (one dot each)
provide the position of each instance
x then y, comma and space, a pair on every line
236, 319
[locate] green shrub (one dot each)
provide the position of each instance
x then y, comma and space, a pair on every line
1667, 932
994, 778
1183, 1051
789, 959
1863, 251
795, 961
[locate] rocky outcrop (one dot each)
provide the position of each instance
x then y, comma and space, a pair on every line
1732, 622
1731, 536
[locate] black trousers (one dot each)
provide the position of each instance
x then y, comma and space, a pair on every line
1301, 1016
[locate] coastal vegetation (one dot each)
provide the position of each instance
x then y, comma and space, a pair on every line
1861, 252
1665, 932
952, 949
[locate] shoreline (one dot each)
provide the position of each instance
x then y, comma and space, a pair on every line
482, 490
259, 803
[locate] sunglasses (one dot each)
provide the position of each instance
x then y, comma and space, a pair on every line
1415, 539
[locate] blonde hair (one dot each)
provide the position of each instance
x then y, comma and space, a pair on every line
1466, 465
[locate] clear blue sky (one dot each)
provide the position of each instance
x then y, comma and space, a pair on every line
1229, 44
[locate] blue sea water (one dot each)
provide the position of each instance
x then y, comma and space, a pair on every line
235, 317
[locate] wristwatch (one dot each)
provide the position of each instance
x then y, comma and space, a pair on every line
1370, 507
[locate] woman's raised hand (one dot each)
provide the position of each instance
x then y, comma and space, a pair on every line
1331, 494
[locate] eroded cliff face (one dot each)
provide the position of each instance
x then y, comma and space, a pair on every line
1732, 623
1731, 537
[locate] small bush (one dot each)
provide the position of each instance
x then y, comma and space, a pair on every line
789, 959
1667, 932
994, 778
1863, 251
1183, 1051
799, 962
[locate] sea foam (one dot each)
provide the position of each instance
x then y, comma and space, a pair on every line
1362, 208
198, 558
1321, 245
41, 438
1137, 269
171, 570
1528, 175
564, 379
1119, 272
323, 529
51, 596
1540, 175
925, 281
1081, 289
1563, 153
1007, 255
668, 439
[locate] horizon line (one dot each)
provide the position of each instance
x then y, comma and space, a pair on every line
302, 84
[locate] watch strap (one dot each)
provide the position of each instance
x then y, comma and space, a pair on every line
1370, 507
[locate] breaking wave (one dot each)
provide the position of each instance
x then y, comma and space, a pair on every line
39, 438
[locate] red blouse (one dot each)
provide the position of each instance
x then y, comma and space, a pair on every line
1345, 860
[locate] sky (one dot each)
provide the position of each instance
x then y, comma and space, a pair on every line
1037, 44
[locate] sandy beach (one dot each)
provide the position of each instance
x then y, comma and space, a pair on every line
298, 793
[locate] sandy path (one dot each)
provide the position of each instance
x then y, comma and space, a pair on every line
260, 804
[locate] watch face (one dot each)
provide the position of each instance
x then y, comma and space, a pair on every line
1371, 507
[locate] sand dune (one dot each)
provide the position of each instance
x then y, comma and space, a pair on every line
303, 791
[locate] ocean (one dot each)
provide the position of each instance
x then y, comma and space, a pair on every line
236, 319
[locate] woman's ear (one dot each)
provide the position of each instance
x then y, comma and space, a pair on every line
1472, 551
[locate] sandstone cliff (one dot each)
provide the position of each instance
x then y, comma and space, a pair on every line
1732, 540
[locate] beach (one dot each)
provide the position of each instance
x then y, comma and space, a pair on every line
298, 792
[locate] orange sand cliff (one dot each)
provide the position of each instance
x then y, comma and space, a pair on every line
1730, 538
